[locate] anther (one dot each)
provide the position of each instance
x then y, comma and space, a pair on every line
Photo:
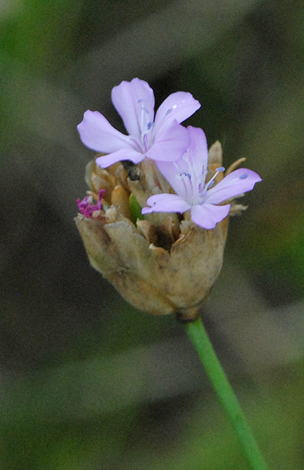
211, 181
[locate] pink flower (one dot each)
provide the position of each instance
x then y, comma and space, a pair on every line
86, 206
187, 177
159, 137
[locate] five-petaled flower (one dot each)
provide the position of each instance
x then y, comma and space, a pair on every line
187, 177
161, 138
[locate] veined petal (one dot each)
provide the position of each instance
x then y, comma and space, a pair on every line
208, 215
169, 145
178, 106
166, 203
193, 163
238, 182
171, 171
197, 154
97, 133
134, 101
120, 155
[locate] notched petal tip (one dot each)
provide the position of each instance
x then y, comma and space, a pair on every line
166, 203
238, 182
134, 101
98, 134
179, 106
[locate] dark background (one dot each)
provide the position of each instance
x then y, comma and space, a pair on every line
86, 381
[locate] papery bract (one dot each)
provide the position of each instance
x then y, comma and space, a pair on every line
160, 138
162, 265
187, 177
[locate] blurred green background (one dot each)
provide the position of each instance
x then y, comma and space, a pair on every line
86, 381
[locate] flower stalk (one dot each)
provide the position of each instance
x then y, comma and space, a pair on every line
154, 221
228, 400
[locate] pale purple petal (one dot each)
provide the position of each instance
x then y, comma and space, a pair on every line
208, 215
134, 101
238, 182
120, 155
169, 145
193, 163
97, 133
178, 106
166, 203
171, 171
197, 154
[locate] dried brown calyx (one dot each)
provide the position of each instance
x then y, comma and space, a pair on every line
161, 263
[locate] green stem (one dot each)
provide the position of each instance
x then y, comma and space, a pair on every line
216, 374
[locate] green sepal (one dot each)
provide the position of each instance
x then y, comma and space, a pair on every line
135, 209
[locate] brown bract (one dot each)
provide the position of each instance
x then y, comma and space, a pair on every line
162, 264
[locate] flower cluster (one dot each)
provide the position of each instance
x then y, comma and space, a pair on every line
159, 225
180, 154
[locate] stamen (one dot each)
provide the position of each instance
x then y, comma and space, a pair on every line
243, 177
187, 182
144, 115
211, 181
185, 157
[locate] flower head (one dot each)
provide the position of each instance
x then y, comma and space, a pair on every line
162, 265
159, 137
187, 177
